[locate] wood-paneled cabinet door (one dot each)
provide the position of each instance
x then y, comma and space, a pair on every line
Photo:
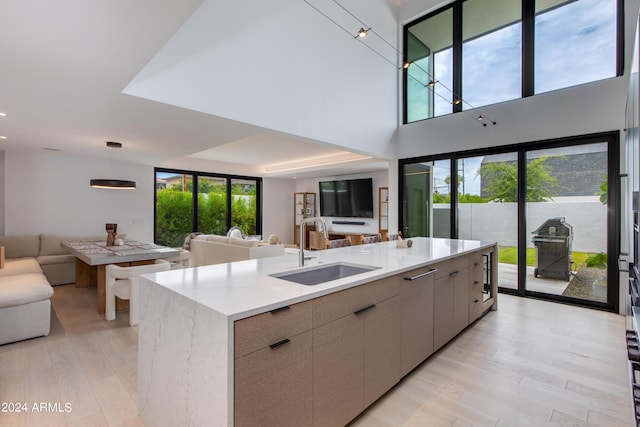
273, 386
443, 308
338, 371
416, 318
476, 286
381, 348
461, 301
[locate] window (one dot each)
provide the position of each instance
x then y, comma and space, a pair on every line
217, 203
488, 51
429, 78
575, 43
491, 52
552, 207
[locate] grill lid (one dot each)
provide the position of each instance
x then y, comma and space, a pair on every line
554, 227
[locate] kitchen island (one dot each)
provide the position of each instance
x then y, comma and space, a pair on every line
239, 344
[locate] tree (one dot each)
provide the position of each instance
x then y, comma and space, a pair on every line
604, 190
501, 181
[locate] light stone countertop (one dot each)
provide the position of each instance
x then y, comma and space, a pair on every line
242, 289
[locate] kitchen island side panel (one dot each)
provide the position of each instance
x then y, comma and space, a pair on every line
184, 361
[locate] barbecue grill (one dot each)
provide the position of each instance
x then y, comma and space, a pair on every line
553, 249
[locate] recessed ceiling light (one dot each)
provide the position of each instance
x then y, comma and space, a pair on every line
3, 114
3, 137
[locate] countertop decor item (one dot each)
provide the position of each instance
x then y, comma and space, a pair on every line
112, 230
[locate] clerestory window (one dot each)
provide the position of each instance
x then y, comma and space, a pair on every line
473, 53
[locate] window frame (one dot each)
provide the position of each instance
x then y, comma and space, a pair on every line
527, 55
228, 214
612, 138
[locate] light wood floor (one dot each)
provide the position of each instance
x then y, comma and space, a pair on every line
531, 363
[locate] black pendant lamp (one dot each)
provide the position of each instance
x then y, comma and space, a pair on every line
113, 184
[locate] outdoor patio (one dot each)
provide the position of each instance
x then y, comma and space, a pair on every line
586, 283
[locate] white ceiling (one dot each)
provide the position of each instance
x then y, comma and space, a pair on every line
66, 63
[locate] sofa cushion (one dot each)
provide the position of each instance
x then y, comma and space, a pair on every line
242, 242
56, 259
50, 243
17, 266
213, 238
20, 246
24, 289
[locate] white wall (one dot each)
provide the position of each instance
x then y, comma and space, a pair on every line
48, 192
380, 179
2, 181
281, 65
499, 222
277, 208
591, 108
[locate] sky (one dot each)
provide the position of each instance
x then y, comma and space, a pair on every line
574, 44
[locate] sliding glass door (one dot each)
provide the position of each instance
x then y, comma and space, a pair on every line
427, 199
488, 208
551, 206
566, 209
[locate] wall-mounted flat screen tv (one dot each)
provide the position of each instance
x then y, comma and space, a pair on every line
348, 198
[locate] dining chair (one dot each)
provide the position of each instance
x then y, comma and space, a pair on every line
338, 243
371, 239
122, 282
179, 261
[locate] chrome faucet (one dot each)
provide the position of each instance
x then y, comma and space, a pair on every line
304, 221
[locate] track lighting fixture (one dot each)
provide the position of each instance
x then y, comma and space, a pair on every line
406, 64
362, 33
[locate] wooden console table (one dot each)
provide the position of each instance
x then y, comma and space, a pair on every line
92, 259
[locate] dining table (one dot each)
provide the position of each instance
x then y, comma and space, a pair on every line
92, 257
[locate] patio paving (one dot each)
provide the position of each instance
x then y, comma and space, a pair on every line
508, 278
587, 283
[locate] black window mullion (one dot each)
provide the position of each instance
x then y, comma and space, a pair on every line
457, 57
194, 203
528, 47
620, 38
522, 221
229, 200
453, 202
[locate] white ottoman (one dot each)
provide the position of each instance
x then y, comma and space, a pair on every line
25, 309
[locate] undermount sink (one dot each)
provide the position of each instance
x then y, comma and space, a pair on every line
323, 273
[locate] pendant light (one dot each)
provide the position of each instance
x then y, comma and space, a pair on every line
113, 184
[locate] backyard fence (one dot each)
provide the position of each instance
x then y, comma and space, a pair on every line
499, 222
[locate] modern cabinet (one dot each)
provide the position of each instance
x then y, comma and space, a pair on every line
273, 368
450, 300
338, 371
304, 206
477, 274
383, 210
416, 317
321, 362
355, 342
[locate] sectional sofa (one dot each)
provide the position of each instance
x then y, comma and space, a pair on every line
207, 249
32, 265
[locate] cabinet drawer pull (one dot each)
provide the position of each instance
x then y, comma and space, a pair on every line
475, 282
362, 310
454, 273
476, 301
278, 310
279, 343
420, 276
